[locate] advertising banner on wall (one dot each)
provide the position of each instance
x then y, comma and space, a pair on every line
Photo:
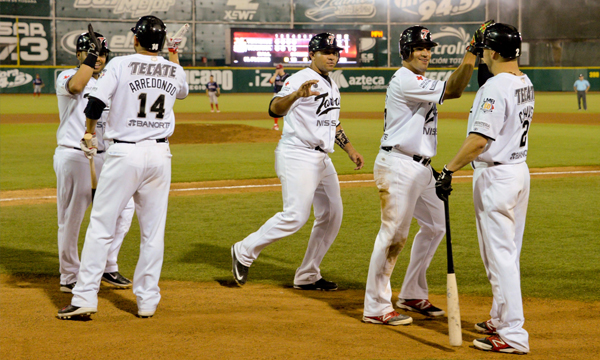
437, 11
335, 11
245, 11
452, 40
118, 35
25, 7
25, 42
174, 10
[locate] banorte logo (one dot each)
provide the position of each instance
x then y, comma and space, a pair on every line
117, 44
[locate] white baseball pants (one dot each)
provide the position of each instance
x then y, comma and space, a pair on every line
501, 196
73, 196
212, 95
141, 170
406, 189
307, 177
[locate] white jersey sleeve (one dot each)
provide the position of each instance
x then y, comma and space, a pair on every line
311, 121
70, 110
141, 90
411, 113
502, 112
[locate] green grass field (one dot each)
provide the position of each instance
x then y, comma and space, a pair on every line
560, 257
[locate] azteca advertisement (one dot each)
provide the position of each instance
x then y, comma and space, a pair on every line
25, 42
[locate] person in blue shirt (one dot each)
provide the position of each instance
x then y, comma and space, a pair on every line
213, 91
581, 87
38, 84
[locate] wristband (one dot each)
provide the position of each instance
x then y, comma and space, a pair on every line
90, 60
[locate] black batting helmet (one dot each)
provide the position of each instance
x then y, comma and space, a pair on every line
503, 38
150, 32
323, 41
412, 37
83, 43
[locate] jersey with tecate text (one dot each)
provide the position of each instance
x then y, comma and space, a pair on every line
502, 112
411, 113
311, 121
143, 89
70, 110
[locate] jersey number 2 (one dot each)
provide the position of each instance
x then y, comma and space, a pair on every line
524, 136
158, 107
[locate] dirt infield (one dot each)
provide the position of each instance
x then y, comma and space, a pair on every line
218, 320
542, 118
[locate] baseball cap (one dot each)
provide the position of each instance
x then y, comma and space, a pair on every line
279, 66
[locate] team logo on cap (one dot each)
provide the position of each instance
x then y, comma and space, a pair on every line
330, 40
488, 105
425, 35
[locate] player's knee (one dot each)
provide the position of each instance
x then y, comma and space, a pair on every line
295, 219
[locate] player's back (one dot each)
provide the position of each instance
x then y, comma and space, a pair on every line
143, 90
503, 111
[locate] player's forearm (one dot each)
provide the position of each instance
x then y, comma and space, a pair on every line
79, 81
469, 151
90, 125
281, 105
459, 79
174, 57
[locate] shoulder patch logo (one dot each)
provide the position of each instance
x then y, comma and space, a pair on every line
488, 105
419, 77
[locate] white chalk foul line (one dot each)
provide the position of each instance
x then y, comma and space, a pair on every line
275, 185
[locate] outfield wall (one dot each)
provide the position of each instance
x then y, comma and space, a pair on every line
18, 80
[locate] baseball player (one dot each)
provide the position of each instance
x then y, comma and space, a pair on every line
142, 89
73, 182
278, 79
309, 103
581, 87
213, 91
405, 179
38, 84
496, 146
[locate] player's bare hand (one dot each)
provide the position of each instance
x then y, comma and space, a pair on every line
357, 159
305, 89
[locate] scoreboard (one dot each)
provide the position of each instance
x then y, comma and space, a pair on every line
266, 47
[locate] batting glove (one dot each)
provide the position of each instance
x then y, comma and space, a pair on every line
443, 184
478, 39
89, 147
174, 41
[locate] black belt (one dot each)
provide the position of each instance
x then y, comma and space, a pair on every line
418, 158
318, 148
495, 164
97, 152
132, 142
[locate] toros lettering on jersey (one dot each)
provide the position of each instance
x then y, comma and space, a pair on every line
327, 104
142, 68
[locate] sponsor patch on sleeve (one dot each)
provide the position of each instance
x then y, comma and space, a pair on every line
488, 105
480, 126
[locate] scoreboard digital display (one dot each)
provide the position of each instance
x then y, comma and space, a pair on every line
265, 47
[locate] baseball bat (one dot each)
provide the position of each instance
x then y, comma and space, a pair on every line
88, 138
454, 326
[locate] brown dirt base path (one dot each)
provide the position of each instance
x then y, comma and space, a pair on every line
218, 320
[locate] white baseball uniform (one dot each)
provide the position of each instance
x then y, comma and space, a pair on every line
73, 182
502, 112
307, 177
406, 188
142, 90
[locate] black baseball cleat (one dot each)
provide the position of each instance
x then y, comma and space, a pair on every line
321, 284
240, 271
116, 279
71, 311
67, 288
